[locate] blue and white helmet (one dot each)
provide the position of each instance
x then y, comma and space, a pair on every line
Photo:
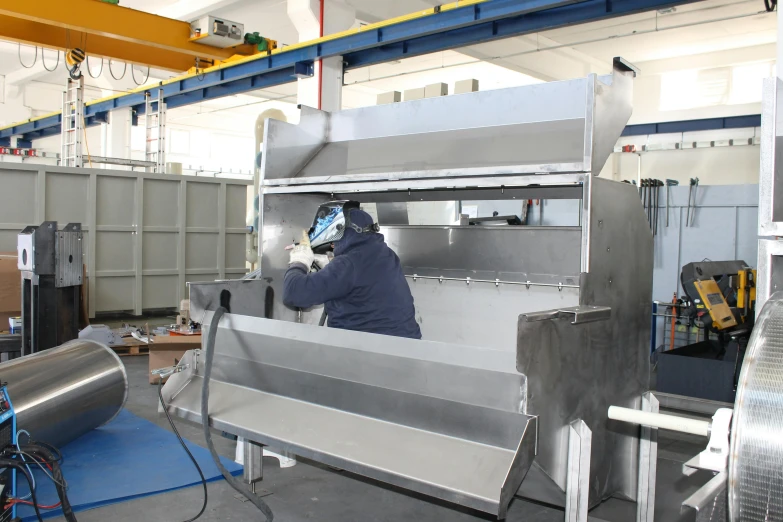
330, 222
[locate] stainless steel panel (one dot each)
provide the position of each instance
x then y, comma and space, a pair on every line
770, 271
451, 413
247, 297
612, 110
536, 254
755, 485
598, 363
555, 127
287, 148
551, 101
771, 166
534, 147
68, 256
62, 393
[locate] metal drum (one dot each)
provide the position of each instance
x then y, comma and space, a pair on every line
62, 393
756, 459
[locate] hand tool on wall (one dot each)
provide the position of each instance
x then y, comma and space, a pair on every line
690, 215
669, 183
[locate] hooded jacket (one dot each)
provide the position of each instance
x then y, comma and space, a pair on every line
363, 288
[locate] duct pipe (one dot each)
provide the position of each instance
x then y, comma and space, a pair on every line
62, 393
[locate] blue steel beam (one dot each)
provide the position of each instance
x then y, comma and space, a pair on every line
731, 122
448, 29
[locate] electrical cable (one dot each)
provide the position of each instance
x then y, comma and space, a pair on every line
40, 453
124, 70
43, 61
29, 495
770, 5
90, 72
236, 484
35, 60
133, 75
185, 447
10, 463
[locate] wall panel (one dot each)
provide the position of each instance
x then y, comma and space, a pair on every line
145, 235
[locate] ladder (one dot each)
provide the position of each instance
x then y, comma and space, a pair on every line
156, 132
72, 124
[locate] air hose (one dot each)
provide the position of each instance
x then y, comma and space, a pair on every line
238, 485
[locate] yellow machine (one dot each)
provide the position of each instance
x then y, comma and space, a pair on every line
726, 290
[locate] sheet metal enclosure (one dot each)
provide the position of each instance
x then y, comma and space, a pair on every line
523, 326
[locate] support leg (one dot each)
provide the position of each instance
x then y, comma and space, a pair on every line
578, 481
648, 460
254, 463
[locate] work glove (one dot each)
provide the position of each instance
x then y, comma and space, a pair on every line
321, 260
302, 253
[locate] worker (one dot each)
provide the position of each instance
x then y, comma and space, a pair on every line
362, 287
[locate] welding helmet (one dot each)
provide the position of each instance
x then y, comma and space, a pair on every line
330, 222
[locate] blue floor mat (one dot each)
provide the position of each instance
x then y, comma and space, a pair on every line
128, 458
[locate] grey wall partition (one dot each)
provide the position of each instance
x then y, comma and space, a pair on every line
146, 235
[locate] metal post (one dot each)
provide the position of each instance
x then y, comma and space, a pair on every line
578, 480
648, 461
254, 463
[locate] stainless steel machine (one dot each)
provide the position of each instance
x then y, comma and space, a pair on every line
530, 333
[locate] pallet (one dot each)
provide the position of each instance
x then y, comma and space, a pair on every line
125, 351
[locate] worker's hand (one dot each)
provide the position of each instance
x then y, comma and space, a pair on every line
302, 253
321, 260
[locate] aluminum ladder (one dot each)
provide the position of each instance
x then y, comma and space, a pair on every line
72, 123
155, 115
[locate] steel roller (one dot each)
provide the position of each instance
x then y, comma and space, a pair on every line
756, 458
62, 393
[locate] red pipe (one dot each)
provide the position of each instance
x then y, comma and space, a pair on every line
320, 62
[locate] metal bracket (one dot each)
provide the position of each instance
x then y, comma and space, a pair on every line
579, 314
710, 502
578, 480
648, 462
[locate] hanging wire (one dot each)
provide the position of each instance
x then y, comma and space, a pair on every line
770, 5
43, 61
199, 71
133, 75
90, 72
124, 70
35, 60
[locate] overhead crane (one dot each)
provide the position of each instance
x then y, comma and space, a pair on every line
112, 31
449, 26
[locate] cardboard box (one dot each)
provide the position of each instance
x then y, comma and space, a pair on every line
10, 286
168, 350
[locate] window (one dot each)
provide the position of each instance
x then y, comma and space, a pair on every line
682, 90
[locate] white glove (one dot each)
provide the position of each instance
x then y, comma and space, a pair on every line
302, 253
321, 260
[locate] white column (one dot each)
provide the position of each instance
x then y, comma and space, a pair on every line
779, 64
338, 16
118, 136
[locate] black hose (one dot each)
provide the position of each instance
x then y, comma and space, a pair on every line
10, 463
52, 458
236, 484
185, 447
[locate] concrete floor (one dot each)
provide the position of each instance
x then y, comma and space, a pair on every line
309, 491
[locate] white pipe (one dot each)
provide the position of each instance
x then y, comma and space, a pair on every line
659, 420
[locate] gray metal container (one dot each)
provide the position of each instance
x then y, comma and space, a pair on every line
62, 393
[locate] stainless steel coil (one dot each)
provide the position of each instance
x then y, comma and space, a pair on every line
755, 486
62, 393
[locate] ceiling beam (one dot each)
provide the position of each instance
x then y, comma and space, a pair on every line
189, 10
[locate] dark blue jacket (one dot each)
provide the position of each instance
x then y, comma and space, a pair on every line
363, 288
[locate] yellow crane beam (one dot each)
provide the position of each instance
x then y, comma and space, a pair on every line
110, 31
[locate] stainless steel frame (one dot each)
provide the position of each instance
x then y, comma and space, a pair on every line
529, 332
